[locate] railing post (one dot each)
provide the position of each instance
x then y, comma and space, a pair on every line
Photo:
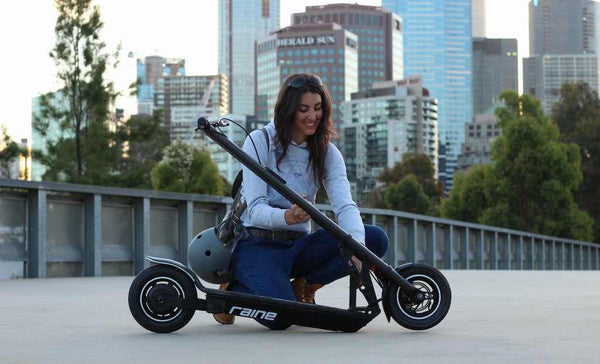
532, 253
431, 245
142, 233
543, 265
553, 256
186, 228
36, 234
464, 250
480, 249
93, 235
494, 252
412, 240
561, 256
521, 253
449, 247
572, 256
396, 246
508, 255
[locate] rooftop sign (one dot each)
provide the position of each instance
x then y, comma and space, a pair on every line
306, 41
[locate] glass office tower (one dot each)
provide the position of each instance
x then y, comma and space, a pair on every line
241, 23
437, 45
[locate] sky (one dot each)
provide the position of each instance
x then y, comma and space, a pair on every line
177, 28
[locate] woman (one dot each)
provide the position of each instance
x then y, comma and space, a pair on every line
280, 245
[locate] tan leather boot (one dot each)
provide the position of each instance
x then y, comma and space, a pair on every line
305, 292
224, 318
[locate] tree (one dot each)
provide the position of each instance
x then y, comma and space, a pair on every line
187, 169
577, 115
407, 195
9, 152
420, 166
532, 180
470, 194
143, 139
83, 152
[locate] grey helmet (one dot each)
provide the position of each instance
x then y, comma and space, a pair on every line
209, 258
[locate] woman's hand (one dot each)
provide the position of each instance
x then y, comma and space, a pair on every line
295, 214
357, 263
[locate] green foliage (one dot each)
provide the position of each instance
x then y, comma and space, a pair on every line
415, 168
421, 167
577, 115
143, 139
407, 195
187, 169
375, 199
469, 195
9, 152
530, 184
83, 149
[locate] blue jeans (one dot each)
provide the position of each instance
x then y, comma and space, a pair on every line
264, 267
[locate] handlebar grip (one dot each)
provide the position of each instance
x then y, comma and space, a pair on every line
202, 124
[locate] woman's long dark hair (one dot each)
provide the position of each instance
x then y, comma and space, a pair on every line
285, 109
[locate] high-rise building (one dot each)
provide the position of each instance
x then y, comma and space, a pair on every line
149, 71
384, 123
241, 24
437, 45
379, 32
495, 69
479, 136
478, 18
227, 164
324, 49
60, 101
185, 98
563, 27
563, 44
544, 75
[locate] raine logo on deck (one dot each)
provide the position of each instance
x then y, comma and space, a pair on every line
248, 312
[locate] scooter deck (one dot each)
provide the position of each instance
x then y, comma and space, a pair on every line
296, 313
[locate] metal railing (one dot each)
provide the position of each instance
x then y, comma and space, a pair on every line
58, 229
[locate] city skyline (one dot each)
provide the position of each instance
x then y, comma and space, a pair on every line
138, 38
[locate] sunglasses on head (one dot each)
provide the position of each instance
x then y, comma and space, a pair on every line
302, 80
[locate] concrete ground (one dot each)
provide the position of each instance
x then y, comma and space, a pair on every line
496, 317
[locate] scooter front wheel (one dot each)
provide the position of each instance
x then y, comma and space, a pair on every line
435, 305
156, 296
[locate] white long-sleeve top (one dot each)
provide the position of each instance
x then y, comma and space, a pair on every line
266, 207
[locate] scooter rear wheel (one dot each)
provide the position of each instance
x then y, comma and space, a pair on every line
432, 310
153, 295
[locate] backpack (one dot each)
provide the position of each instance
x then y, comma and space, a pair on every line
229, 230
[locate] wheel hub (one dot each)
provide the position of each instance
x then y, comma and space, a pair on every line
157, 298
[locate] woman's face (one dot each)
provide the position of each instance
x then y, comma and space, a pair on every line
307, 116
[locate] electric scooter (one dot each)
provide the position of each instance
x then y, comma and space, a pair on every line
163, 298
